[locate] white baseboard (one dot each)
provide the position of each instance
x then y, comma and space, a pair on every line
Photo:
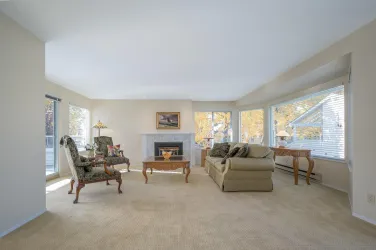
333, 187
362, 217
2, 234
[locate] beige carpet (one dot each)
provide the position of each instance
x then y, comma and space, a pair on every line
170, 214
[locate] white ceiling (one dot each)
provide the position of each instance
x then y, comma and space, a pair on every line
194, 49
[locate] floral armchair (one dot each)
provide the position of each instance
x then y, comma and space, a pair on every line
86, 170
102, 142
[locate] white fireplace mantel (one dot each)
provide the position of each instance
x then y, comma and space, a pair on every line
186, 138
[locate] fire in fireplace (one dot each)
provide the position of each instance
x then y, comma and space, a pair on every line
176, 148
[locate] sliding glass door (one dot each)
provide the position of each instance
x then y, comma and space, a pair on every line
51, 136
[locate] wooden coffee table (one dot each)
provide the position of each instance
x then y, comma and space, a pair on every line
159, 163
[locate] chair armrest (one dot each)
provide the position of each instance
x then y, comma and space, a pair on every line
121, 153
250, 164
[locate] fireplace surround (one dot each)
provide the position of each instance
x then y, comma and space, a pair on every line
186, 138
159, 146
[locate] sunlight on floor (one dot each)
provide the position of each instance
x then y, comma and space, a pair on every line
57, 185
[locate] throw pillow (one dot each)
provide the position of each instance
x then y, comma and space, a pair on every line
113, 151
230, 154
219, 149
243, 151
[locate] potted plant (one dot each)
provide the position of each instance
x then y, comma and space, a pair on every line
91, 148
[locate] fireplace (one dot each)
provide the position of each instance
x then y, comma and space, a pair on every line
175, 147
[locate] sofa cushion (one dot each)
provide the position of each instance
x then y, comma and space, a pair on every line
220, 167
232, 145
230, 154
257, 151
243, 150
213, 160
219, 149
251, 164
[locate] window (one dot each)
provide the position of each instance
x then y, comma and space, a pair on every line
50, 107
213, 124
252, 126
315, 122
79, 126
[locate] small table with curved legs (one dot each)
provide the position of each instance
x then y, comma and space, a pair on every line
296, 153
159, 163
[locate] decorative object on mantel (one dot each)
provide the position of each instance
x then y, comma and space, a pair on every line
99, 125
166, 155
208, 144
168, 120
282, 135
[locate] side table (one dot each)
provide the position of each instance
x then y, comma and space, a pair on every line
204, 153
296, 153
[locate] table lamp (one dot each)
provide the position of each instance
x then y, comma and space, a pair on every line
282, 136
99, 125
208, 146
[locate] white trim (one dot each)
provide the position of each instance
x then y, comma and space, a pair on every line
362, 217
333, 187
329, 159
169, 133
21, 223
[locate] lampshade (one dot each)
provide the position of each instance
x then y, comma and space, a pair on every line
282, 133
99, 125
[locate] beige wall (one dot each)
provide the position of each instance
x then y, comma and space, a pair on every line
22, 167
362, 46
68, 97
128, 119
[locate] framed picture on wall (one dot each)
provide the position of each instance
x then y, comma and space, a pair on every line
168, 120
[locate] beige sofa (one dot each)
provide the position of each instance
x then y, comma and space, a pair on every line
253, 173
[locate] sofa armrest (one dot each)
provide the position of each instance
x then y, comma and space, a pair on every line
250, 164
270, 155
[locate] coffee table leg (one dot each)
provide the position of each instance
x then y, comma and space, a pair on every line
144, 173
188, 172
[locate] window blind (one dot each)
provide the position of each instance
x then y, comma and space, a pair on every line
315, 121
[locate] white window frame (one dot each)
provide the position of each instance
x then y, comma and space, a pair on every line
218, 111
316, 90
87, 126
264, 122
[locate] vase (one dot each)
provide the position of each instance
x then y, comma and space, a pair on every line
91, 153
166, 155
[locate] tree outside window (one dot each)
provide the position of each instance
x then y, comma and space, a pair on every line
213, 124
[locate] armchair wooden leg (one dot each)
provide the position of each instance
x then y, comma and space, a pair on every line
78, 189
151, 171
119, 181
71, 187
128, 167
107, 183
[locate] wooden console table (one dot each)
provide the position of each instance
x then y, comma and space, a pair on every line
296, 153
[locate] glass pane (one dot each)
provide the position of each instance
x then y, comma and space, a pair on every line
203, 127
50, 136
222, 130
314, 122
79, 125
252, 126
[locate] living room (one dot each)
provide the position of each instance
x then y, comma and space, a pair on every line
298, 110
